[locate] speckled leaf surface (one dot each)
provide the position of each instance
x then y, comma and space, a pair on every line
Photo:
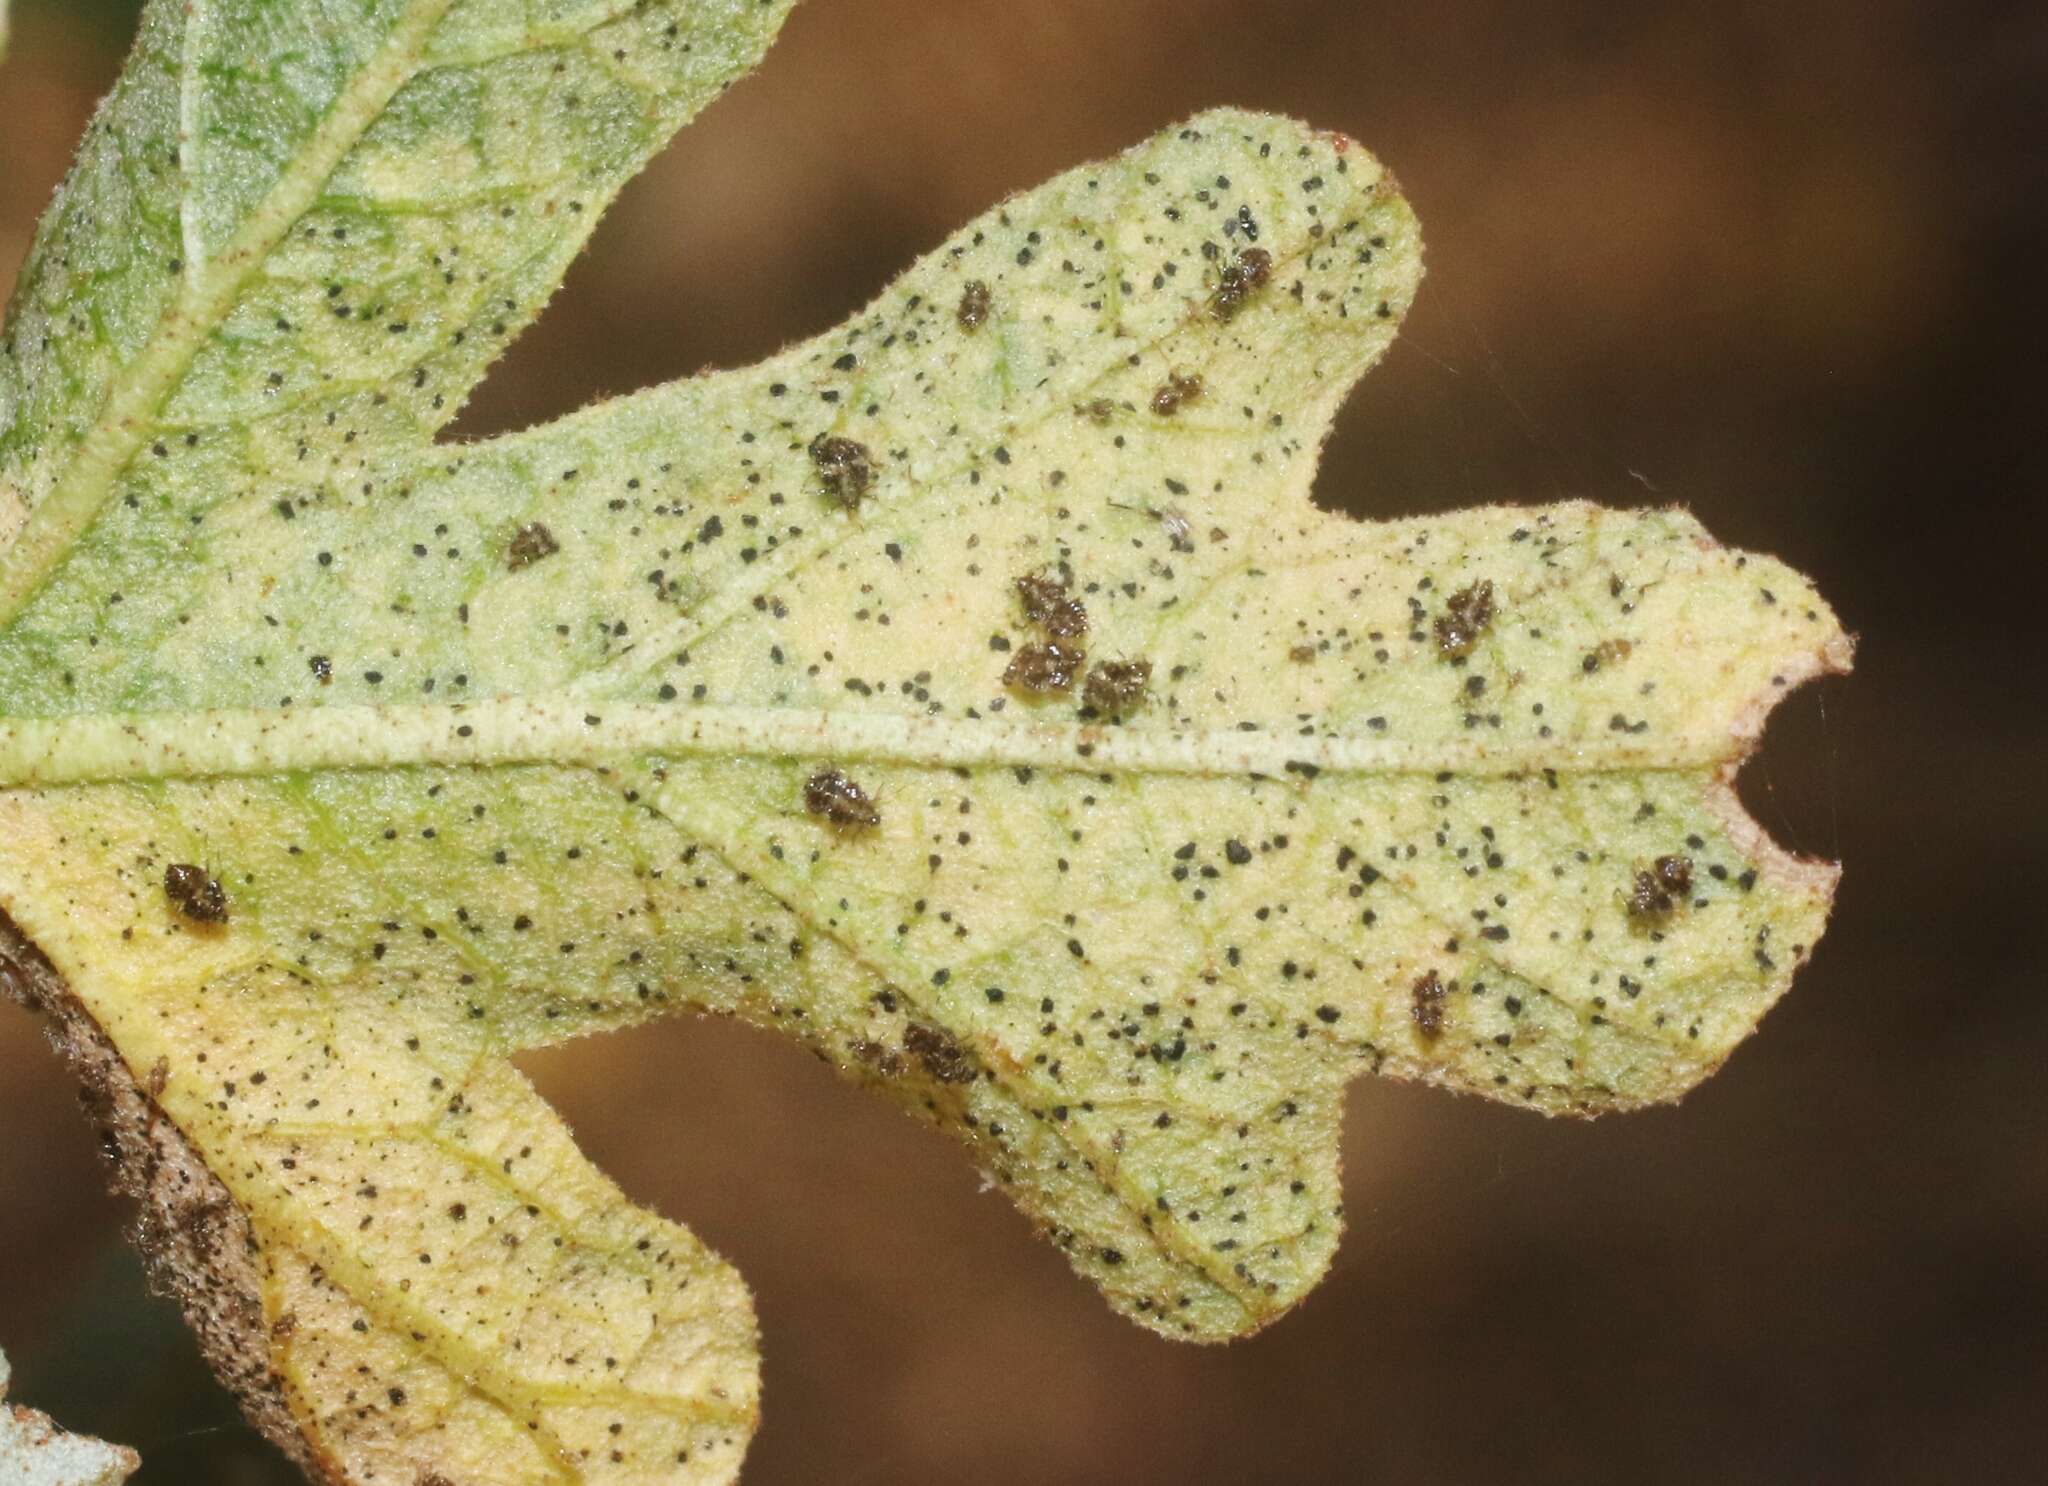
973, 693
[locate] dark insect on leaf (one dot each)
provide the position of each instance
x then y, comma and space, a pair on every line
837, 799
846, 467
195, 893
529, 545
1606, 653
884, 1060
1179, 534
1048, 605
1659, 891
1044, 669
942, 1055
1096, 410
1427, 1004
1243, 277
1116, 685
1646, 899
1175, 393
1467, 615
974, 305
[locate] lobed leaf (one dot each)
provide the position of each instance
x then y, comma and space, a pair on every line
971, 692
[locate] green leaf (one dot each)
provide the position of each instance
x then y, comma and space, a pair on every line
972, 693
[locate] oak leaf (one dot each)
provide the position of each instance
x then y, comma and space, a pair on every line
971, 692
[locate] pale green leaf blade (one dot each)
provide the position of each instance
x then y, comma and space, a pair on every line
715, 698
291, 218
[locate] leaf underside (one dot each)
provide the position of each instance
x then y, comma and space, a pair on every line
339, 765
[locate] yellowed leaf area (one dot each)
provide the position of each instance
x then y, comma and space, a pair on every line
972, 693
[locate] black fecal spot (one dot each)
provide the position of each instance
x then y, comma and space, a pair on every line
836, 798
1048, 605
1044, 669
1175, 393
195, 893
974, 303
1242, 277
1467, 615
529, 545
1426, 1004
942, 1055
1237, 853
845, 466
322, 669
1116, 685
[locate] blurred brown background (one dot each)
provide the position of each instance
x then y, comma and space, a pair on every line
1775, 261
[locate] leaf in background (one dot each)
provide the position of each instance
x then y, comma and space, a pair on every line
971, 692
35, 1452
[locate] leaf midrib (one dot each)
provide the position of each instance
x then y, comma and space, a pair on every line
95, 748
